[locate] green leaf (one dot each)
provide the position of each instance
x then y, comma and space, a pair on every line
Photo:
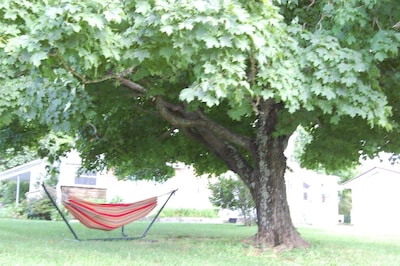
113, 15
349, 80
37, 58
95, 21
141, 54
211, 42
344, 67
187, 95
167, 52
168, 29
380, 56
226, 41
142, 7
209, 68
186, 25
76, 28
53, 12
238, 112
210, 100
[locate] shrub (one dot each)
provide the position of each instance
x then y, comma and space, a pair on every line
41, 209
13, 210
229, 192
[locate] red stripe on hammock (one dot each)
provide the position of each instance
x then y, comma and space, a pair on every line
84, 219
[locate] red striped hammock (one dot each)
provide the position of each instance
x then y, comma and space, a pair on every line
108, 216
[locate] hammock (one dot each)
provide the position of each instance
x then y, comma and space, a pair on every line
108, 216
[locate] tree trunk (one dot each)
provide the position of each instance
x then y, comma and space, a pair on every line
263, 173
275, 227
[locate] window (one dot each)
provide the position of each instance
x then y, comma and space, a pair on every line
305, 196
85, 181
86, 178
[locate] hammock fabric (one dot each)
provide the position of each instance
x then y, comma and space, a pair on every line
108, 216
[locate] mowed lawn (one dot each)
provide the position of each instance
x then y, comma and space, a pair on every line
27, 242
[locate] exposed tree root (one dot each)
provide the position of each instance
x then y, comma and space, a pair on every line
263, 243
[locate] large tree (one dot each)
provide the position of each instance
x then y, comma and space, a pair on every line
218, 84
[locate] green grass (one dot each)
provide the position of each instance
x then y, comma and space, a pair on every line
24, 242
184, 212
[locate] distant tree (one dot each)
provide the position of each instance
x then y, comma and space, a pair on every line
229, 192
10, 158
301, 139
345, 199
345, 204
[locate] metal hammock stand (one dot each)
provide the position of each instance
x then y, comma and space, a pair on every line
81, 210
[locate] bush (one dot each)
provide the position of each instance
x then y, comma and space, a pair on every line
14, 211
41, 209
229, 192
55, 216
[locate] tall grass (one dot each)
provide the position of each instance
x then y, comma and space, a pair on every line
24, 242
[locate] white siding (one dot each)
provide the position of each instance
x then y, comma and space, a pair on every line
375, 201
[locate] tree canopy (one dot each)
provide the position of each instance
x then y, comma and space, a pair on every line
217, 84
332, 63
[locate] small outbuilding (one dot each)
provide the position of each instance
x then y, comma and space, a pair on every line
375, 200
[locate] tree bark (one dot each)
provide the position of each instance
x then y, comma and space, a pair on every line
275, 227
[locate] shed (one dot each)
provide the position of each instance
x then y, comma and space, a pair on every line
375, 200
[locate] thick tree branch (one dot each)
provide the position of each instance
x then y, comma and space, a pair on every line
178, 117
198, 120
223, 150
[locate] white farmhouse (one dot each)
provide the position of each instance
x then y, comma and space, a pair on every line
312, 198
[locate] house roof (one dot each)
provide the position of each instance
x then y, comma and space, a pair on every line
348, 183
23, 171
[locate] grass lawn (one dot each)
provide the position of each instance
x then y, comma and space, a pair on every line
25, 242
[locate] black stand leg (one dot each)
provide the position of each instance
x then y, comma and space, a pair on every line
123, 231
60, 212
